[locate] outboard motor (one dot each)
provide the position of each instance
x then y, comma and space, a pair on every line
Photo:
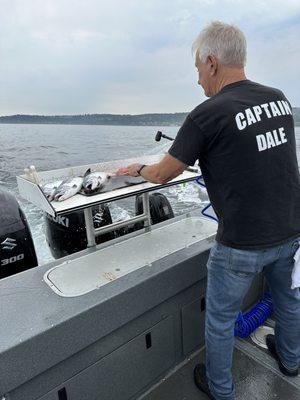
160, 207
66, 234
17, 251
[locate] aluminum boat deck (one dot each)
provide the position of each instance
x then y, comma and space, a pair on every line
255, 374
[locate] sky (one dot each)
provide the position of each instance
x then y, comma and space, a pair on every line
133, 56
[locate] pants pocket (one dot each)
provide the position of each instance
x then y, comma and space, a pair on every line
219, 256
245, 263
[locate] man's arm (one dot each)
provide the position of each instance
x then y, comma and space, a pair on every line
184, 151
164, 171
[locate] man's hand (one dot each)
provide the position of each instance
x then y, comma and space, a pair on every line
168, 168
130, 170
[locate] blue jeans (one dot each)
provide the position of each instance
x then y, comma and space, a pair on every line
230, 273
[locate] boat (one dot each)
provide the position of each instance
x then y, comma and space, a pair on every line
123, 318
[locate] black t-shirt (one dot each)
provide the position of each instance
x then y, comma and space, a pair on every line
245, 142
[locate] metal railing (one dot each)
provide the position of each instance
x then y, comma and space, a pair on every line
92, 233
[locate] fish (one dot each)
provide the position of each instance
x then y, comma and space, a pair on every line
132, 180
94, 181
68, 188
49, 189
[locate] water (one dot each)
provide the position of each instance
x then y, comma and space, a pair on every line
59, 146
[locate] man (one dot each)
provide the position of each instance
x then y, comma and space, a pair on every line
243, 136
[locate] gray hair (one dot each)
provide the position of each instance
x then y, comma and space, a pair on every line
224, 41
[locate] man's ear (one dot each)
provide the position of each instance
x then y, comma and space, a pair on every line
212, 62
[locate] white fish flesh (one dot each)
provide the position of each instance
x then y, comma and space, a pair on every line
49, 189
68, 188
94, 181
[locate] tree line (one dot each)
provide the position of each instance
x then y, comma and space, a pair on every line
170, 119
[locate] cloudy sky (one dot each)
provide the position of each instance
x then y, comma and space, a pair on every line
132, 56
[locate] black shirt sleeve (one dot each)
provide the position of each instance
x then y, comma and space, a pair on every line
188, 143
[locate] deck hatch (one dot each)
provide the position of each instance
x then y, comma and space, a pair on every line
84, 274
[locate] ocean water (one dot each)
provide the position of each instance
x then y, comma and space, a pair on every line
58, 146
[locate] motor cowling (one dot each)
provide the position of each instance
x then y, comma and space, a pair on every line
17, 252
66, 234
160, 207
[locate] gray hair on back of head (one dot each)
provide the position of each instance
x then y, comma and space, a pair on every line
224, 41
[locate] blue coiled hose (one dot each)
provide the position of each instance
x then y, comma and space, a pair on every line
203, 211
248, 322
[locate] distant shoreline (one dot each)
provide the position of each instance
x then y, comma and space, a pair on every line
84, 123
153, 119
297, 124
